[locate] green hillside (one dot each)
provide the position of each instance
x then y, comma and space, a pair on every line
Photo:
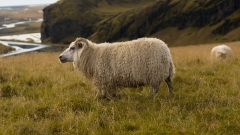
177, 22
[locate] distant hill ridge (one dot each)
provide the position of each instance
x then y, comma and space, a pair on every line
177, 22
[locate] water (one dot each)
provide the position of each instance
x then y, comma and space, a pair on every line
22, 47
24, 37
11, 25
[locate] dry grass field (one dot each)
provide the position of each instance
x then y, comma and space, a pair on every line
38, 95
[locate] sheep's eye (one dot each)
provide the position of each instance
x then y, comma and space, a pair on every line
72, 48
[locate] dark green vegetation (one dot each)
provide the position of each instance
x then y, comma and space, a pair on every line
177, 22
40, 96
5, 49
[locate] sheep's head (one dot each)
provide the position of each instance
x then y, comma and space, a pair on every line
68, 54
221, 55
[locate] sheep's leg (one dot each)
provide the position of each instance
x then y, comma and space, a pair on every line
154, 90
170, 85
111, 94
101, 94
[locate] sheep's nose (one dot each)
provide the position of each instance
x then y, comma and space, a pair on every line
60, 57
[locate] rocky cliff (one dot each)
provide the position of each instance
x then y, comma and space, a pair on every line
177, 22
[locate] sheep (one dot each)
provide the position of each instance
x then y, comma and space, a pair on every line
221, 52
110, 66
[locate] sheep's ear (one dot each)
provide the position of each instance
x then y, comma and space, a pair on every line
80, 42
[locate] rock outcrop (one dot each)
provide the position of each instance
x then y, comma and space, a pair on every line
117, 20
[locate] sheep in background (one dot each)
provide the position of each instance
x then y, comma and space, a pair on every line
221, 52
141, 62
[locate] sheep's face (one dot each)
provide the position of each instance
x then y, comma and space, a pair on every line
68, 54
76, 46
221, 55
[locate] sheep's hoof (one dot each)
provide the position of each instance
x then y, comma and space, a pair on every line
104, 97
170, 94
112, 98
98, 96
152, 95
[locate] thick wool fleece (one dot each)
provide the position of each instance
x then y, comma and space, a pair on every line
141, 62
221, 52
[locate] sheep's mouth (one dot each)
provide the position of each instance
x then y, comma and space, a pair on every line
63, 60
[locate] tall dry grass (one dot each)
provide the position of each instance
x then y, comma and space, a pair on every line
41, 96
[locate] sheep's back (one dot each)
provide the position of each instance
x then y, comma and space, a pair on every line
221, 52
143, 61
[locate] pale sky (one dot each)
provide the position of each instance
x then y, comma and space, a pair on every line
25, 2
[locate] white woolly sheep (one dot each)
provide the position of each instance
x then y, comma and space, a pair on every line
141, 62
221, 52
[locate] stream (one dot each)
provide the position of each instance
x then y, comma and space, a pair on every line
21, 47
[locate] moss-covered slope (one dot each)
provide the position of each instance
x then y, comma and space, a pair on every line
195, 21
